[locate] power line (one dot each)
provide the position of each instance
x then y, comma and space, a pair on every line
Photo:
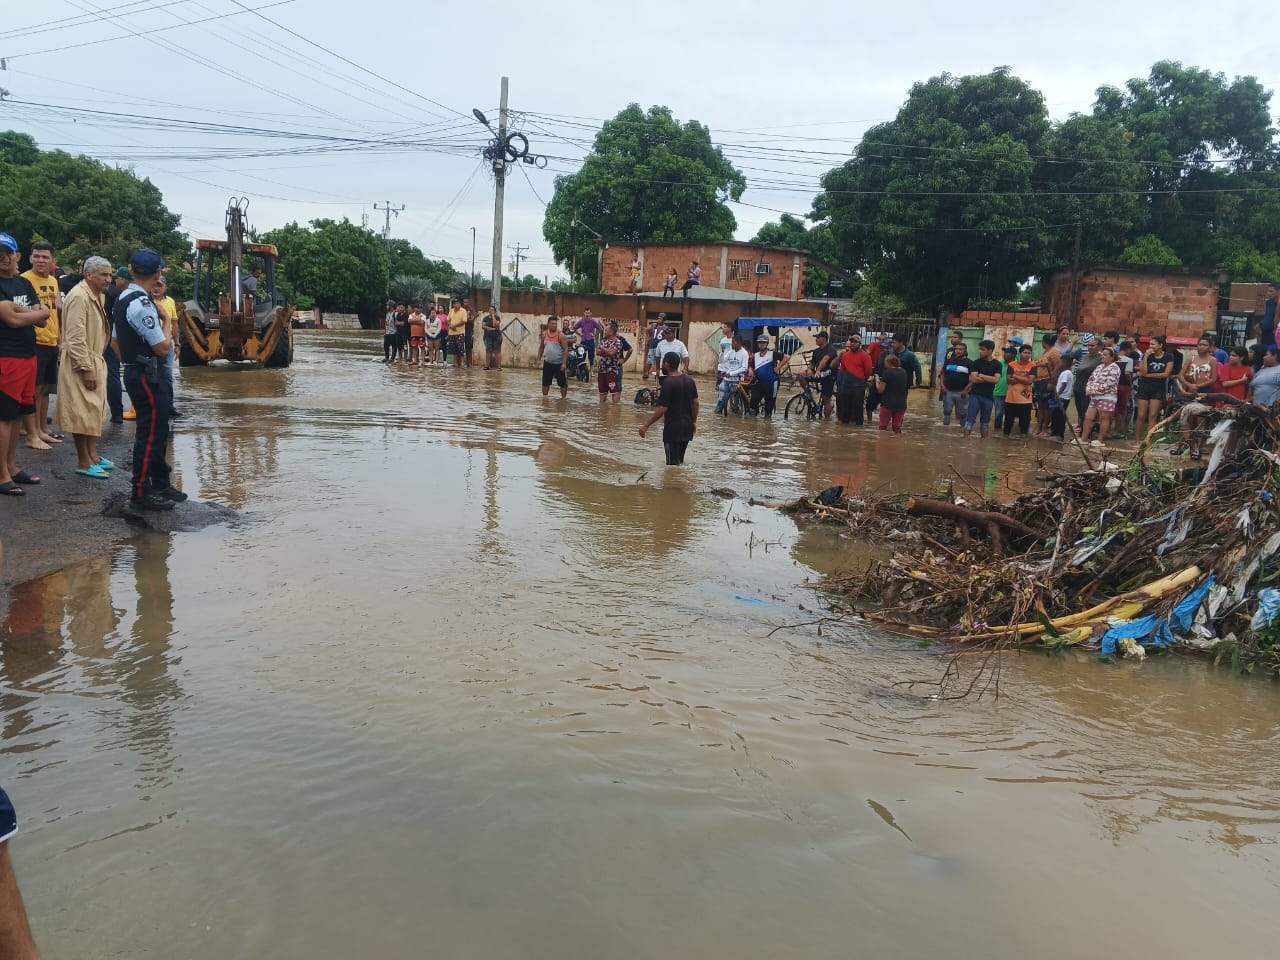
140, 33
346, 60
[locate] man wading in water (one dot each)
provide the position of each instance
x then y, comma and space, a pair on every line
677, 409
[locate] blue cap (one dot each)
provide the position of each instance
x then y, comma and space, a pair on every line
146, 262
8, 243
1017, 340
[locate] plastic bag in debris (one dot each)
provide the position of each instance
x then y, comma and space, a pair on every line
1153, 632
1268, 607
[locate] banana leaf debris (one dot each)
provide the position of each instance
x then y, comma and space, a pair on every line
1122, 559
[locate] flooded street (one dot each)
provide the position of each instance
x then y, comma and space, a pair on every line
478, 676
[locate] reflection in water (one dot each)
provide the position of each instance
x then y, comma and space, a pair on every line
490, 680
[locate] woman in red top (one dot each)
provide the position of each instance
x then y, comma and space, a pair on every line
1233, 379
852, 376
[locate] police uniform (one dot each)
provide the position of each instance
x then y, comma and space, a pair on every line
138, 329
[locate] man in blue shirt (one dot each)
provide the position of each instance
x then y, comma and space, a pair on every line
144, 346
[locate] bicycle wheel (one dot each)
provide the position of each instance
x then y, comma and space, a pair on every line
737, 405
797, 406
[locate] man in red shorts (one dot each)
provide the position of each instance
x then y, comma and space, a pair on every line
21, 312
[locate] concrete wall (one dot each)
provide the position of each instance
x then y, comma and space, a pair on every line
785, 280
1174, 301
524, 314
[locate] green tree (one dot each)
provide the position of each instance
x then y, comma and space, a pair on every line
939, 203
409, 261
405, 288
342, 267
82, 206
1150, 249
648, 178
1209, 156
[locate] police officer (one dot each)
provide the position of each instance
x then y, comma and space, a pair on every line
143, 346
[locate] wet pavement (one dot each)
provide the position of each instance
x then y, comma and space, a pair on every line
477, 675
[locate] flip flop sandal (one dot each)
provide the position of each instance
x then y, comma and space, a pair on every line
11, 489
106, 464
23, 477
95, 471
57, 436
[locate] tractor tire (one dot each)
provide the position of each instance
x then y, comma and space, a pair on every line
187, 355
282, 356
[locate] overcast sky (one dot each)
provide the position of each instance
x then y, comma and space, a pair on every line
769, 79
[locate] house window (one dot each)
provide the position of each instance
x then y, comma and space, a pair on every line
740, 270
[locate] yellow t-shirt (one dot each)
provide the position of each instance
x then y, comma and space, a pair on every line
457, 322
47, 290
170, 314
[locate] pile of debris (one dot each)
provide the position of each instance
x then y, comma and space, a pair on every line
1118, 559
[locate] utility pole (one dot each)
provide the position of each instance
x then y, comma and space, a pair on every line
499, 188
1075, 276
519, 252
471, 278
388, 209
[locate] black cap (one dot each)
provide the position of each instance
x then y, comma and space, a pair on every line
823, 334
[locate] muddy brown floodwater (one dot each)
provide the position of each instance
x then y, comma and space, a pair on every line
477, 676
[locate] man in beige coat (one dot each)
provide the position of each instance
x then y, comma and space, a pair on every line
82, 377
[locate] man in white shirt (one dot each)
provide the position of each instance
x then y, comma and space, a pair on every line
669, 344
732, 368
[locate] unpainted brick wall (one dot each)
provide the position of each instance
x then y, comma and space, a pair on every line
1136, 301
656, 261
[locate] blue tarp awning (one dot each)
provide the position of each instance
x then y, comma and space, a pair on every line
751, 323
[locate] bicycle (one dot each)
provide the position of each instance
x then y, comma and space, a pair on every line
804, 402
739, 401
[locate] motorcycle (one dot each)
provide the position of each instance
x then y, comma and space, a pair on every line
577, 366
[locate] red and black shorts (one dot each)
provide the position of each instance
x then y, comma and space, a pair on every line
17, 387
610, 381
417, 341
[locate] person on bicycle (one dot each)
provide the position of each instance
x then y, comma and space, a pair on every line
651, 358
822, 368
732, 369
762, 375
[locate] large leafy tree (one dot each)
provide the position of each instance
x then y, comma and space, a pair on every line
648, 178
1209, 159
939, 204
82, 206
339, 265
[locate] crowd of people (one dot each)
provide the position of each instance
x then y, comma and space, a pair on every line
1095, 388
76, 337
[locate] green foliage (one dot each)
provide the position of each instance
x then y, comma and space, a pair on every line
1196, 134
409, 289
82, 206
870, 300
938, 201
648, 178
407, 260
971, 189
342, 267
1150, 249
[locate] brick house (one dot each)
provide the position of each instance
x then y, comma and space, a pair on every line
726, 265
1179, 302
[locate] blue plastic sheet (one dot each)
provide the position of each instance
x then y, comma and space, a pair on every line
1153, 632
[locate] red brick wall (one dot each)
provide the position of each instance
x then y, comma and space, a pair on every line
657, 260
1137, 301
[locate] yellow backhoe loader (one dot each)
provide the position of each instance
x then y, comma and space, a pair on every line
235, 313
